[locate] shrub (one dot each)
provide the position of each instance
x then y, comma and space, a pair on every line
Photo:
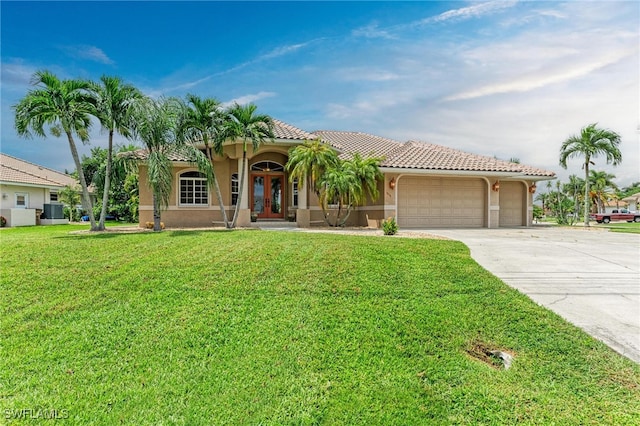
149, 225
390, 226
3, 222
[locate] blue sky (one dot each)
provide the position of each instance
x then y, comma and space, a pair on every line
506, 78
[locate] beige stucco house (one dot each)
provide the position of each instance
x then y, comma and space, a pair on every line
29, 191
424, 185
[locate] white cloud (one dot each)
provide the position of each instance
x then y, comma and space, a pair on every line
469, 12
543, 77
371, 31
91, 53
247, 99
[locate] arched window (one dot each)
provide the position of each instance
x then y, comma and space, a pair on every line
193, 189
267, 166
234, 189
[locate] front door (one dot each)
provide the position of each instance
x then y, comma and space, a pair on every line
267, 195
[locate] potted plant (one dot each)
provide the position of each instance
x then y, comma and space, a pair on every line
254, 216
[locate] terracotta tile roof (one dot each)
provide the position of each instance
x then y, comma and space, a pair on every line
422, 155
15, 170
402, 155
362, 143
143, 153
283, 130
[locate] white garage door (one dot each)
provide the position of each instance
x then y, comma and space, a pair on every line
511, 204
441, 202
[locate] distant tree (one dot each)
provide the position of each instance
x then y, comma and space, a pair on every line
156, 125
514, 160
69, 197
575, 189
602, 188
123, 191
113, 101
591, 142
66, 107
204, 121
246, 125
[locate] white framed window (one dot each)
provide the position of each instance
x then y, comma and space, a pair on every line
294, 186
22, 200
53, 196
194, 190
234, 189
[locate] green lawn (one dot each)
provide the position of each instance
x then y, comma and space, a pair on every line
260, 327
629, 228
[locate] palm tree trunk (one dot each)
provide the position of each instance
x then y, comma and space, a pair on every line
156, 214
586, 191
107, 183
86, 199
241, 189
216, 187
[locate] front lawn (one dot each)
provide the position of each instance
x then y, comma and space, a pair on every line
265, 327
626, 227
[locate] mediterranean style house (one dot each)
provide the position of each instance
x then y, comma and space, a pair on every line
424, 185
30, 193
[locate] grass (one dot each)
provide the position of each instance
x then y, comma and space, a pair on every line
626, 227
259, 327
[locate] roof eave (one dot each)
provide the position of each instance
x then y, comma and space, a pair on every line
477, 173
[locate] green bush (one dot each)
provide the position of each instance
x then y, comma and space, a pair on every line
390, 226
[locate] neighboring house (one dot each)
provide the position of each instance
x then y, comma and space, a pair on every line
633, 201
612, 205
29, 191
424, 185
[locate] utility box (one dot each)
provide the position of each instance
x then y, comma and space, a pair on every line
53, 211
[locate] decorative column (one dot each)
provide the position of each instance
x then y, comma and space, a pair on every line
244, 215
303, 214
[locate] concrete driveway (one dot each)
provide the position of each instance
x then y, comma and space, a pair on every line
588, 276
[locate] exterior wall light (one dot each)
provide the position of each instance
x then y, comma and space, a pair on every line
392, 183
496, 186
532, 189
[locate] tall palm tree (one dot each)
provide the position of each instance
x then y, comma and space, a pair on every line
244, 124
204, 121
591, 142
113, 101
155, 123
66, 107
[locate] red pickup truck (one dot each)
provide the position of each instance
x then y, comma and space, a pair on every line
621, 214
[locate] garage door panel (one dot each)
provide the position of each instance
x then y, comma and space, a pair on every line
511, 204
441, 202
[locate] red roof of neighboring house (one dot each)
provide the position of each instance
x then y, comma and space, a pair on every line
17, 171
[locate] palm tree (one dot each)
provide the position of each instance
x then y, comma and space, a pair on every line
65, 106
345, 183
255, 128
309, 162
204, 121
575, 189
591, 143
113, 101
69, 196
155, 123
600, 182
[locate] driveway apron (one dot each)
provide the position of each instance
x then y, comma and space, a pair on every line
588, 276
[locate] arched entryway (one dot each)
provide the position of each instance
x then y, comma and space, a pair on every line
267, 190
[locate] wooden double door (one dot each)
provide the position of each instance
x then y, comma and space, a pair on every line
267, 195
